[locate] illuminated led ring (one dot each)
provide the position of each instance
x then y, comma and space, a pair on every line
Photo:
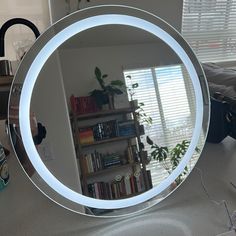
31, 77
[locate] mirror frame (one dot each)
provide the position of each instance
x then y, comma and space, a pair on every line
77, 22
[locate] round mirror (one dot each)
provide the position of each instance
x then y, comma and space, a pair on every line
109, 111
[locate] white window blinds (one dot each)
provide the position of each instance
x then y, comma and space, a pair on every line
168, 98
210, 28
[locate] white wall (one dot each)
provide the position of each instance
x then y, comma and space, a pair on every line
49, 105
34, 10
168, 10
78, 64
49, 91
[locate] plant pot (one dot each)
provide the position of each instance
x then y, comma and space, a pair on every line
105, 107
144, 157
111, 102
134, 103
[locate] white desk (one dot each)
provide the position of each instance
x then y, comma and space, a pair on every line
26, 211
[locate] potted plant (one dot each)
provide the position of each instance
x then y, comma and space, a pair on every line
106, 94
131, 91
142, 117
170, 158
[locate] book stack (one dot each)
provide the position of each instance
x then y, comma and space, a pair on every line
91, 162
129, 185
111, 160
83, 105
100, 190
95, 161
86, 136
105, 130
126, 128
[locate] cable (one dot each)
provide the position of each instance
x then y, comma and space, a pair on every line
231, 226
233, 184
205, 189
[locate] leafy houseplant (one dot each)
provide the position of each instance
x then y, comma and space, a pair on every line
106, 94
143, 118
141, 115
170, 158
131, 89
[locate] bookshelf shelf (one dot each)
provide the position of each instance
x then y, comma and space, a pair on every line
131, 195
110, 169
116, 139
105, 113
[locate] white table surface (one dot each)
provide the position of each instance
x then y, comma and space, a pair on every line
188, 211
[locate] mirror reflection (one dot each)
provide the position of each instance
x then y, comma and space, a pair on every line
113, 112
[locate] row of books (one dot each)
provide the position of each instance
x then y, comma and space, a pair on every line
126, 128
132, 154
118, 189
98, 132
83, 105
106, 130
95, 161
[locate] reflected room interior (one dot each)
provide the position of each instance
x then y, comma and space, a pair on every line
120, 146
117, 107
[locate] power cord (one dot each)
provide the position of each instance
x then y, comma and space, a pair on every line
218, 203
233, 184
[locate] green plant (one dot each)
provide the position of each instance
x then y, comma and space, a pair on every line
142, 117
131, 89
108, 91
170, 158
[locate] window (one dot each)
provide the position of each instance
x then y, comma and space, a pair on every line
168, 98
210, 28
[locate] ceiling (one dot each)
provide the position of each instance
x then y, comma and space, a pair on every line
109, 35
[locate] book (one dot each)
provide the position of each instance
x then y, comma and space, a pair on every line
90, 163
130, 156
126, 128
105, 130
127, 185
74, 104
83, 105
84, 166
132, 184
86, 136
96, 190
